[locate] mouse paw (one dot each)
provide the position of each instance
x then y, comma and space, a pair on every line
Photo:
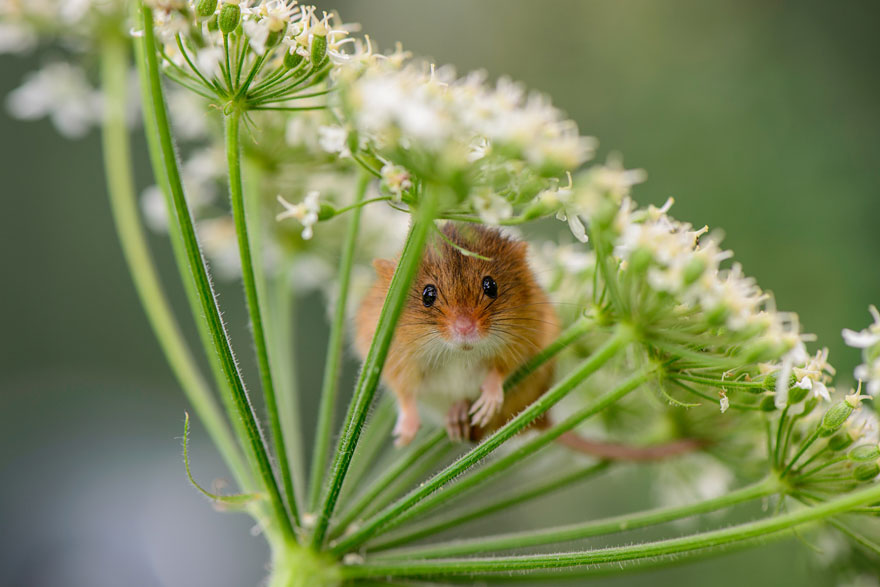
489, 403
407, 426
458, 423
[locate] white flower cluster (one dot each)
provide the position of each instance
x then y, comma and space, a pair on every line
431, 113
677, 261
869, 341
22, 22
259, 49
593, 190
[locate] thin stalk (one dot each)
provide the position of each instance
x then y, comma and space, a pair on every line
422, 495
491, 508
133, 240
413, 476
365, 389
236, 196
254, 442
277, 300
374, 440
715, 538
178, 247
779, 438
400, 467
764, 488
335, 344
810, 440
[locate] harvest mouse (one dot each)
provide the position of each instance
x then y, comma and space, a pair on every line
474, 313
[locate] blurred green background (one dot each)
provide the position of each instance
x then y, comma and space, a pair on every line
760, 117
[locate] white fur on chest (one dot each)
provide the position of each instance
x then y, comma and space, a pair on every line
454, 376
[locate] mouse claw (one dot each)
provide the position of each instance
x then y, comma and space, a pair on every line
458, 425
488, 404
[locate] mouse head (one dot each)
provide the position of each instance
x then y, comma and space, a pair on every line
461, 301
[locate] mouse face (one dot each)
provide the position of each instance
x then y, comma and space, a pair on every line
460, 302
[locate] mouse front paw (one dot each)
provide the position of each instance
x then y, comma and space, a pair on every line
458, 422
407, 426
490, 400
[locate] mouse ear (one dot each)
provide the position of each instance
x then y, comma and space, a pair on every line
384, 268
520, 249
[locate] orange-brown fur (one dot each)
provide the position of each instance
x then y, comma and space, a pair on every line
518, 323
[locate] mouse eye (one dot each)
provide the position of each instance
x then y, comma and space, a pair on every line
490, 288
429, 295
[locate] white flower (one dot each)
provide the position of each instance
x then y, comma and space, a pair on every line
61, 92
306, 212
869, 341
491, 207
16, 38
814, 374
334, 139
724, 402
396, 180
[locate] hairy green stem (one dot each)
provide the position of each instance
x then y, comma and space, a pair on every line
374, 440
365, 389
764, 488
401, 465
715, 538
484, 510
133, 240
392, 513
249, 280
254, 442
335, 344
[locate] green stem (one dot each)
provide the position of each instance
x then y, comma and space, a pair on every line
810, 440
491, 508
365, 389
570, 532
423, 493
375, 438
133, 240
330, 385
151, 133
714, 538
236, 196
254, 442
400, 467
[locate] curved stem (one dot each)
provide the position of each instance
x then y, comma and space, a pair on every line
714, 538
133, 240
330, 385
365, 389
184, 223
236, 193
570, 532
420, 499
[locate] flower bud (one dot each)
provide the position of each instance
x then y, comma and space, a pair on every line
230, 16
864, 452
292, 59
213, 23
768, 404
866, 471
796, 395
840, 441
640, 260
319, 49
326, 212
693, 270
834, 418
206, 8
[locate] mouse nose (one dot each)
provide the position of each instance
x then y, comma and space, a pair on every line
464, 326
